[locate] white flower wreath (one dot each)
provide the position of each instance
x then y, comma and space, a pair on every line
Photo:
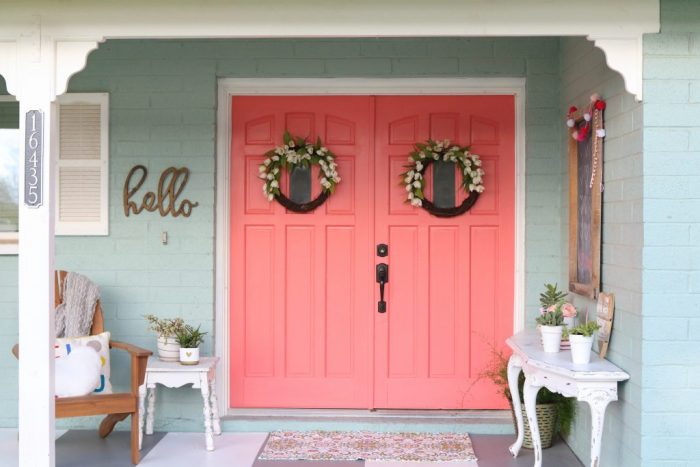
426, 153
296, 151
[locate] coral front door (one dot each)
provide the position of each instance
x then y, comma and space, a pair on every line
305, 330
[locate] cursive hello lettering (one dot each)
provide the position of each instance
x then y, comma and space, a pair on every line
171, 184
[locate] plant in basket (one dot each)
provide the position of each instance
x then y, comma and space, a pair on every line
555, 413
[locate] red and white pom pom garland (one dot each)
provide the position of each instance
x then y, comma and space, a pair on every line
593, 126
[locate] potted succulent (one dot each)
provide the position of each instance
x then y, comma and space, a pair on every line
581, 338
555, 413
551, 323
167, 329
190, 339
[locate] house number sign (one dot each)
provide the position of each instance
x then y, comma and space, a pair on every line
33, 158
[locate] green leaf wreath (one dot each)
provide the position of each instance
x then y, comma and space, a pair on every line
425, 153
297, 152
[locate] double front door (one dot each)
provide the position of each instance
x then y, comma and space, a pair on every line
305, 330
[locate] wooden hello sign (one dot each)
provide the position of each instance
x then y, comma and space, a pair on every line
171, 184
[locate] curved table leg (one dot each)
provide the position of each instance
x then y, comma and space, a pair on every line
598, 400
514, 369
530, 396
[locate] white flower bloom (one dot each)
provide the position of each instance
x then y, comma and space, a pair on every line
409, 187
270, 197
418, 176
436, 156
276, 170
263, 176
407, 179
274, 184
270, 176
480, 189
477, 180
417, 184
419, 166
275, 157
262, 168
324, 180
267, 162
291, 143
472, 187
416, 202
323, 149
310, 149
421, 154
477, 162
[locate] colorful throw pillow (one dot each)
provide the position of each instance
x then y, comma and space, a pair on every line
100, 343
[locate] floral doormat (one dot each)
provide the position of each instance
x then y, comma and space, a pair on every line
369, 446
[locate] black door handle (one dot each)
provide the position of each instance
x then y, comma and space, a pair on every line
382, 278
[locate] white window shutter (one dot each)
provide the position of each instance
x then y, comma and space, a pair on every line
82, 164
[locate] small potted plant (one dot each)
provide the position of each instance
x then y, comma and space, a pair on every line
551, 323
190, 339
167, 329
581, 338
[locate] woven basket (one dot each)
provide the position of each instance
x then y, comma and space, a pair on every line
546, 420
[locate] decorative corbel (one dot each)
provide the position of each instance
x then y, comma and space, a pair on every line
624, 55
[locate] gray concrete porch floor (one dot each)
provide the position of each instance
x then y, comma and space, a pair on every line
81, 448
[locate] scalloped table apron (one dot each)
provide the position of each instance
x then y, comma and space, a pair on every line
304, 326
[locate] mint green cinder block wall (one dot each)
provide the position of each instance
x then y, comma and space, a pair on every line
162, 113
584, 72
671, 300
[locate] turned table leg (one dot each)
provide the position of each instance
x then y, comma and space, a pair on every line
598, 400
530, 396
514, 369
214, 408
208, 432
142, 408
151, 412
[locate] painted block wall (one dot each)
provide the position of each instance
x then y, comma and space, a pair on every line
162, 113
671, 301
584, 72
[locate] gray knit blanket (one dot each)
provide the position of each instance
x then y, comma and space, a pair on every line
74, 315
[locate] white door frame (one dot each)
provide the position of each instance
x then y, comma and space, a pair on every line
228, 87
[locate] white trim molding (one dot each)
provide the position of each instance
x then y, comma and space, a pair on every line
624, 55
228, 87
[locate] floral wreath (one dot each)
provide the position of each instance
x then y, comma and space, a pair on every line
593, 124
297, 152
425, 154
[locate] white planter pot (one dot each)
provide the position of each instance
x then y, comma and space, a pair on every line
168, 349
551, 338
189, 356
581, 349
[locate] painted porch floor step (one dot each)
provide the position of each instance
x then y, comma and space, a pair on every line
460, 421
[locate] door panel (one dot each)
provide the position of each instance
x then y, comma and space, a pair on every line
451, 283
301, 284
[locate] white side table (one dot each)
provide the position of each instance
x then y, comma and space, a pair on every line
175, 375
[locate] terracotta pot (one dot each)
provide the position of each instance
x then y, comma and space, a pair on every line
189, 356
581, 349
168, 349
551, 338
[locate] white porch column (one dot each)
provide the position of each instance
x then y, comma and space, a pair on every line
35, 86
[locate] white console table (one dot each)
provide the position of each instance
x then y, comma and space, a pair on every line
595, 383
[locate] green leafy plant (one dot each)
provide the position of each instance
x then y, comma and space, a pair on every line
497, 372
551, 318
189, 337
165, 327
551, 296
585, 329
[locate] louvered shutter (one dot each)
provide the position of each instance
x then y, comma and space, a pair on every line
82, 202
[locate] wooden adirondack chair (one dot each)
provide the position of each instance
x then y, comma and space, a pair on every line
116, 406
